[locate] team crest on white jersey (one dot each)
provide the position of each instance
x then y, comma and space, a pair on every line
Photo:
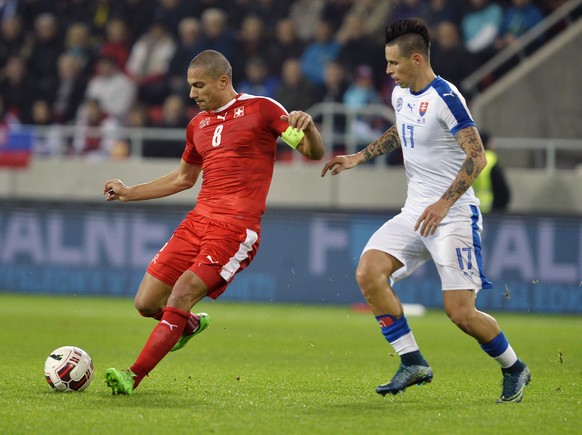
204, 122
239, 111
398, 104
423, 108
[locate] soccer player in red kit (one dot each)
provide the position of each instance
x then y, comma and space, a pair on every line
233, 142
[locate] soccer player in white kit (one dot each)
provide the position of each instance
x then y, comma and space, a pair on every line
443, 154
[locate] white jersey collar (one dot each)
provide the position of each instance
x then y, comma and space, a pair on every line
227, 105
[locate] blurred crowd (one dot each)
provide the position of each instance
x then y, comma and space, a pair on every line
109, 63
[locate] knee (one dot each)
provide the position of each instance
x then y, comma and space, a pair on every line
145, 307
462, 317
369, 280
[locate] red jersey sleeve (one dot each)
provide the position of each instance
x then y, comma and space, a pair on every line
272, 112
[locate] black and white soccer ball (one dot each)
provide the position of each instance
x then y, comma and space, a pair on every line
68, 368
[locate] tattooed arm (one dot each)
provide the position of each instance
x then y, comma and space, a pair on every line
386, 143
389, 141
475, 160
470, 141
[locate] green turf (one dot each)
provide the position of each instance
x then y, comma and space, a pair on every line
278, 369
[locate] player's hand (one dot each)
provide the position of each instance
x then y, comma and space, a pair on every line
432, 216
339, 164
298, 119
114, 190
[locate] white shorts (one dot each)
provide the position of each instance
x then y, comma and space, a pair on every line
455, 249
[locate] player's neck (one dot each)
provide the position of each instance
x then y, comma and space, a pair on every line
424, 78
226, 98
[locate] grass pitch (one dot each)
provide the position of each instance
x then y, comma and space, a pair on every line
280, 369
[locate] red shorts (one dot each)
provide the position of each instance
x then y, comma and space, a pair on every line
215, 251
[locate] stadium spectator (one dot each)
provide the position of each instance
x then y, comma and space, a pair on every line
317, 53
335, 11
449, 57
252, 40
200, 6
41, 113
78, 43
187, 47
173, 116
480, 28
234, 138
295, 92
91, 13
13, 38
334, 86
47, 46
51, 142
217, 34
137, 14
521, 16
116, 42
359, 95
171, 12
361, 92
358, 48
149, 59
375, 13
439, 11
287, 45
96, 133
137, 118
18, 88
408, 9
335, 82
10, 9
258, 79
440, 219
7, 119
491, 186
70, 89
114, 90
307, 16
269, 11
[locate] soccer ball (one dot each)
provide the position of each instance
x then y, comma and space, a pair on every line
68, 368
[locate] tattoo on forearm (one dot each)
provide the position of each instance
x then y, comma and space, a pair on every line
386, 143
469, 141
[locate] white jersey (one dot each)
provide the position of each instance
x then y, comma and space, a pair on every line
426, 122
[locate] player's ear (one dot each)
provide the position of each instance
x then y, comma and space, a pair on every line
223, 82
417, 59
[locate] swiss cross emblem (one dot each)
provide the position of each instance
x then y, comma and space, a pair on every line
204, 122
423, 108
239, 111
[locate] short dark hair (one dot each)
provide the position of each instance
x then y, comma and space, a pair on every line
215, 64
411, 35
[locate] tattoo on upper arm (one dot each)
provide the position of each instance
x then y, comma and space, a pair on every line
389, 141
468, 139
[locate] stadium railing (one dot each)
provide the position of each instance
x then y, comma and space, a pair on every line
360, 127
518, 51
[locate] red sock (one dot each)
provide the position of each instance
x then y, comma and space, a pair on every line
157, 316
191, 324
164, 336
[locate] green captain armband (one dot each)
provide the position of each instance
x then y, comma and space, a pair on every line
292, 136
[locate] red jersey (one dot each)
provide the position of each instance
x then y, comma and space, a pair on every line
236, 147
